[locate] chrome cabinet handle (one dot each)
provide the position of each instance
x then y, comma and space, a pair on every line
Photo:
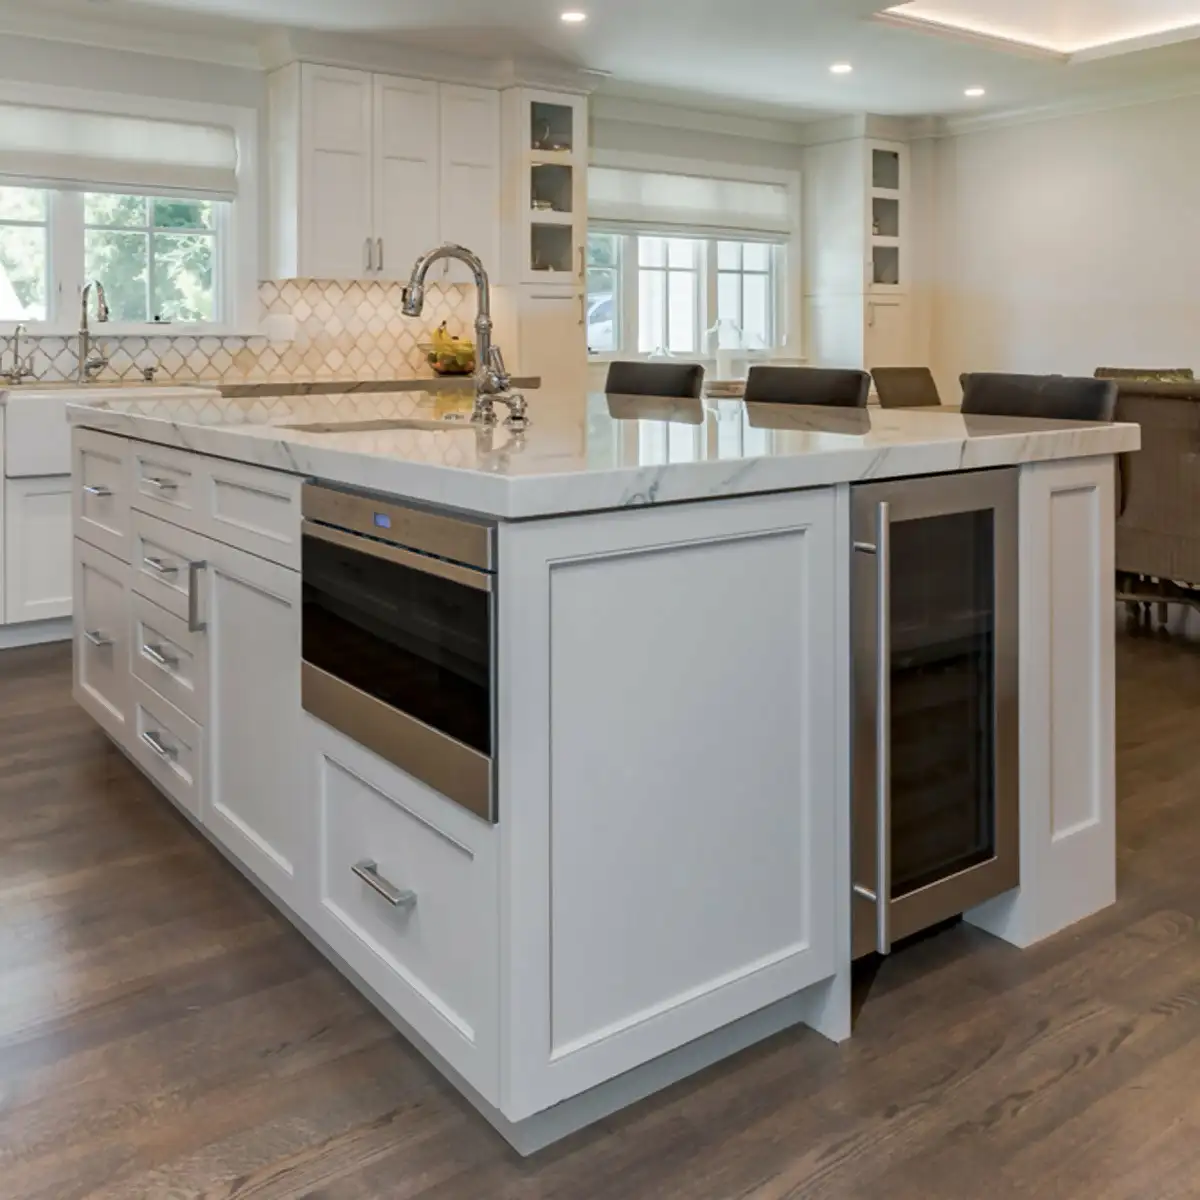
582, 267
582, 308
195, 625
881, 896
368, 872
162, 749
160, 657
379, 255
368, 255
97, 490
159, 564
97, 638
162, 485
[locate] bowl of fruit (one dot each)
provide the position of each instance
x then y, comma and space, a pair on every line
448, 354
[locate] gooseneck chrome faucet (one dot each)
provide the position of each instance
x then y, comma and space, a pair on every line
90, 363
492, 381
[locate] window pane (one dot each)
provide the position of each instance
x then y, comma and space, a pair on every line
729, 299
602, 310
652, 251
22, 204
101, 208
729, 256
603, 250
755, 318
120, 262
682, 320
757, 256
22, 272
651, 335
183, 277
681, 252
182, 214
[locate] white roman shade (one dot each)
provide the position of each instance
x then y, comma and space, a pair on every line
692, 205
76, 149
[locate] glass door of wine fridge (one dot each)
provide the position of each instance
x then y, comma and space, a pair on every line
934, 628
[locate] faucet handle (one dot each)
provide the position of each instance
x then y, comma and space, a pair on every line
496, 363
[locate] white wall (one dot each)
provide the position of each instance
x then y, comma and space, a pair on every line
1069, 244
637, 138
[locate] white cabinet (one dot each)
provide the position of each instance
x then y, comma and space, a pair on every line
715, 771
37, 548
251, 612
369, 171
470, 175
101, 656
406, 198
554, 340
888, 337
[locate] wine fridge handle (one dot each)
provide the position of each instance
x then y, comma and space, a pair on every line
883, 728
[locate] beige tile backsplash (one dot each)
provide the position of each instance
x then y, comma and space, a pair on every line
346, 330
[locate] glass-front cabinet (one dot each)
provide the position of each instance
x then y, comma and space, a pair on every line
887, 192
548, 194
934, 603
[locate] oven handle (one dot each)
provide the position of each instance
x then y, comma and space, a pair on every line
427, 565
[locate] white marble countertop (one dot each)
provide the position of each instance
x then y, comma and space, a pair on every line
583, 453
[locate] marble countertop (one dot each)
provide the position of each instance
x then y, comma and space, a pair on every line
589, 452
343, 387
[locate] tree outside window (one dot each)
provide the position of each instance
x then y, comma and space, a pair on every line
24, 216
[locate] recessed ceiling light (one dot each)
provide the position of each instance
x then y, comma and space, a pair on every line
574, 17
973, 92
841, 68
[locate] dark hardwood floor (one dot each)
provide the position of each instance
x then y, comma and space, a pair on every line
163, 1034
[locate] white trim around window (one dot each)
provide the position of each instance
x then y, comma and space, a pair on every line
236, 274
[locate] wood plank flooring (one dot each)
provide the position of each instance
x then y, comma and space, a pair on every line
163, 1034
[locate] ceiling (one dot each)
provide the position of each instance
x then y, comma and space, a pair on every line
770, 57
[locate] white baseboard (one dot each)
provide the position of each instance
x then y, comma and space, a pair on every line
35, 633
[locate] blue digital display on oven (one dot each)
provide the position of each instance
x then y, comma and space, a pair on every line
383, 521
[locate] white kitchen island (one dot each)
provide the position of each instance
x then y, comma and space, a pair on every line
667, 877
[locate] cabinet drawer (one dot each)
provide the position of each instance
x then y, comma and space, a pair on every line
407, 895
165, 565
168, 746
101, 660
168, 658
254, 509
165, 482
100, 507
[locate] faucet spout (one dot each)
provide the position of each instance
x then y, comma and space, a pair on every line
491, 377
90, 363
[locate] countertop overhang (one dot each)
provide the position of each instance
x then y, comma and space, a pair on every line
591, 452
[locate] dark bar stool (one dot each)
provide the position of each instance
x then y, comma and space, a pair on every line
807, 385
906, 387
679, 380
1056, 397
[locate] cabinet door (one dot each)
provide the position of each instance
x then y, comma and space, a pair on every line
101, 659
37, 548
251, 609
470, 175
554, 341
406, 173
336, 159
888, 340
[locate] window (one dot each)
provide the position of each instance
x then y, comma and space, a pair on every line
159, 258
155, 256
650, 294
24, 253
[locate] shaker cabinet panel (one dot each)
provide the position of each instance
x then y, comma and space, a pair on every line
470, 175
38, 548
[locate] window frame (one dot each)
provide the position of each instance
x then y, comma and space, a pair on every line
236, 270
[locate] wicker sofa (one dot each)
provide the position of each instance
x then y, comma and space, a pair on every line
1158, 529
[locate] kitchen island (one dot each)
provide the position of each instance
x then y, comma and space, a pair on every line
621, 844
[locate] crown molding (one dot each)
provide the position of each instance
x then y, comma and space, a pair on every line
1132, 97
609, 106
184, 44
286, 46
994, 41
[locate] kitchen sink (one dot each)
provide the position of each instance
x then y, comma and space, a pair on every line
378, 426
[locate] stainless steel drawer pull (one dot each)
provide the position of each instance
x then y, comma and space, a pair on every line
161, 748
97, 489
163, 485
97, 638
160, 565
195, 625
157, 655
368, 872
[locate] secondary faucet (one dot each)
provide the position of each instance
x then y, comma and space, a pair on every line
20, 367
90, 363
492, 381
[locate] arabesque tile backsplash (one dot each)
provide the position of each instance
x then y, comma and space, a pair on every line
348, 330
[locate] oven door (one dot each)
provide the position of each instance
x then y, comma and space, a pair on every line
934, 620
399, 654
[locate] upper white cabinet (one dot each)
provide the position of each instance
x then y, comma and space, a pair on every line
887, 212
369, 171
